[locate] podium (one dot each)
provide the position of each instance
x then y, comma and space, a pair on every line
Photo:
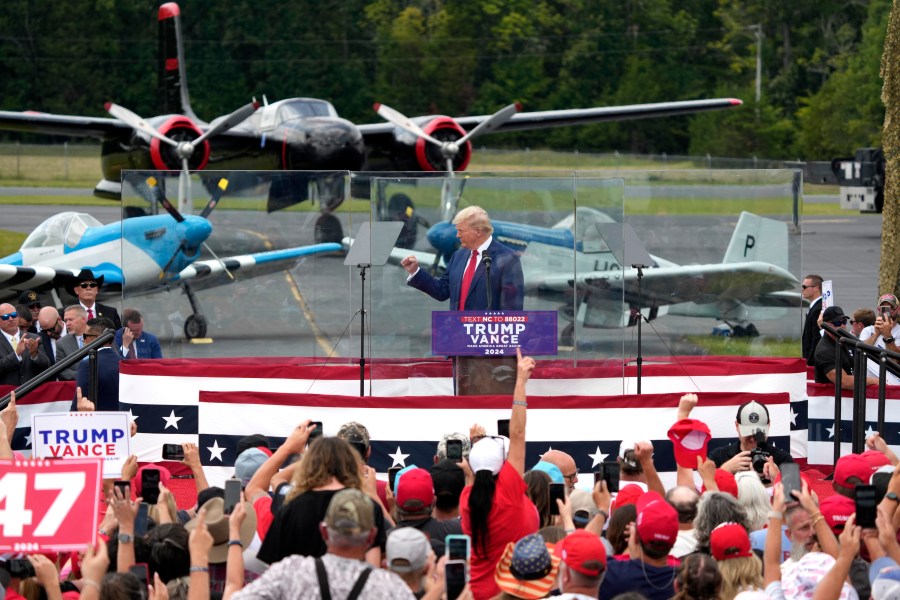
484, 375
483, 345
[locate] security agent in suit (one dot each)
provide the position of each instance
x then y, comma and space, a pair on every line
474, 230
85, 286
811, 290
107, 394
21, 356
52, 329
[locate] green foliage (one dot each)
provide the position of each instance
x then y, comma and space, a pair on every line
820, 84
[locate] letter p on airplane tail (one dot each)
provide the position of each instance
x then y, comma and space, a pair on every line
758, 239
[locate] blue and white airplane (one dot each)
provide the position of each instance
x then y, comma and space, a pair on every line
160, 251
751, 283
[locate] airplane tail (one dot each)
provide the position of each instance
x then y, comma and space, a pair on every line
172, 79
758, 239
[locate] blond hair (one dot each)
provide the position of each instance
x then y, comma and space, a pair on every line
476, 217
739, 575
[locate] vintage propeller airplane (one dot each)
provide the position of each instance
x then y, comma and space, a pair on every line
146, 254
297, 134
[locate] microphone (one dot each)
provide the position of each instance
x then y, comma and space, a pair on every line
486, 261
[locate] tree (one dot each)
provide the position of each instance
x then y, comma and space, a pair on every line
890, 225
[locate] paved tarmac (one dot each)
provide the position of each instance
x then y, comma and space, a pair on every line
313, 311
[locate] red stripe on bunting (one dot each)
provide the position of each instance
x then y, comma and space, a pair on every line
53, 391
288, 368
483, 402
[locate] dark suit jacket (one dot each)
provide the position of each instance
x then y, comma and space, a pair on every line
102, 310
507, 282
16, 372
811, 331
107, 380
146, 346
64, 347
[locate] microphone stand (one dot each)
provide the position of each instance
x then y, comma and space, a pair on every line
487, 272
640, 317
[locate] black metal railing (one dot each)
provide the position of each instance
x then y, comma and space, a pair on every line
887, 362
55, 369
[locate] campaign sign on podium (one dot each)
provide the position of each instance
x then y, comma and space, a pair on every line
494, 333
49, 504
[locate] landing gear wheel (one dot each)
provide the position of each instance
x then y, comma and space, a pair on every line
195, 327
329, 230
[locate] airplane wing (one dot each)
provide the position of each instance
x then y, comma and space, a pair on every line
757, 283
577, 116
204, 274
68, 125
15, 279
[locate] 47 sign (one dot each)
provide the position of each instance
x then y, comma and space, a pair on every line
49, 505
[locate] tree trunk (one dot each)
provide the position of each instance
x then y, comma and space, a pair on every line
889, 272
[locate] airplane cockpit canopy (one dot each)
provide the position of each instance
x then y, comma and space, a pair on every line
64, 228
581, 224
296, 108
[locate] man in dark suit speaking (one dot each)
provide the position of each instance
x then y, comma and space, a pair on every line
465, 282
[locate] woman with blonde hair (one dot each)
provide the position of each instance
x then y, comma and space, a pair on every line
741, 569
328, 466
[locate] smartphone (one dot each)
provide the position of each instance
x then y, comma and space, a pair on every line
392, 475
458, 546
124, 487
150, 485
885, 312
454, 450
790, 480
610, 474
232, 495
172, 452
865, 506
316, 427
140, 571
456, 576
557, 491
503, 427
20, 568
140, 520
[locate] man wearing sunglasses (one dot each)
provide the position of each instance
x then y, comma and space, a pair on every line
85, 286
811, 290
826, 352
52, 329
21, 356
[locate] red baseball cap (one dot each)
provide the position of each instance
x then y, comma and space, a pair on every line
730, 540
837, 509
689, 439
414, 485
851, 465
582, 551
726, 482
628, 495
657, 520
875, 459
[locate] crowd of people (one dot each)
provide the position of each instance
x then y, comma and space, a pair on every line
314, 521
34, 337
820, 348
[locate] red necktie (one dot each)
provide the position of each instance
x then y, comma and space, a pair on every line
467, 280
90, 314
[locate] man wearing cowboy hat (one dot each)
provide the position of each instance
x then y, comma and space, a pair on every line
85, 287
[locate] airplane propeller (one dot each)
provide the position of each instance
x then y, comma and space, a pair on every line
184, 149
449, 149
450, 192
